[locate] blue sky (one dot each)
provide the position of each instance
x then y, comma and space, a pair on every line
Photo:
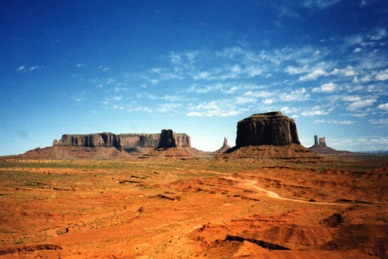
197, 67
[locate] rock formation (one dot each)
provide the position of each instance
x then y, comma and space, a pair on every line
172, 146
120, 141
108, 145
270, 128
320, 147
222, 149
167, 139
268, 135
89, 140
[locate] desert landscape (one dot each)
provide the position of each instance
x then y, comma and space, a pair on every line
267, 197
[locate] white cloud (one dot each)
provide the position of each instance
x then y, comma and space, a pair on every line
33, 68
295, 95
103, 69
245, 100
347, 72
342, 122
359, 103
378, 34
293, 70
21, 68
202, 76
213, 108
258, 94
325, 88
268, 101
382, 75
379, 121
205, 89
253, 71
383, 106
232, 90
288, 110
313, 75
316, 111
167, 107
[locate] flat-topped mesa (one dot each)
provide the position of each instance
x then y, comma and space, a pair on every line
124, 141
271, 128
89, 140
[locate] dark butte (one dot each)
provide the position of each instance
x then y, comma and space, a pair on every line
270, 128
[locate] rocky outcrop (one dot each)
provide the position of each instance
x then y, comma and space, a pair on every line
320, 147
269, 136
167, 139
224, 148
89, 140
107, 145
270, 128
127, 141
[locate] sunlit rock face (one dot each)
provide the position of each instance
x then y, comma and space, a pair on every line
89, 140
124, 141
270, 128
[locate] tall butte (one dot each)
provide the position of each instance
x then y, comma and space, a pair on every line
270, 128
268, 135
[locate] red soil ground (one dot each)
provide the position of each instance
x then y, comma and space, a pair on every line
203, 208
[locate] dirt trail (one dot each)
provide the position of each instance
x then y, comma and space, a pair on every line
251, 184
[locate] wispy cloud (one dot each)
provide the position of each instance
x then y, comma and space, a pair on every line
212, 108
300, 80
379, 121
298, 95
342, 122
316, 111
382, 75
103, 68
320, 4
356, 102
383, 106
313, 75
24, 68
325, 88
21, 68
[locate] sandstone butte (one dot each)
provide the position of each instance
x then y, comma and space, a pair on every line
268, 136
270, 128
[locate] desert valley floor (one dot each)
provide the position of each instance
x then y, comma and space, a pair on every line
199, 208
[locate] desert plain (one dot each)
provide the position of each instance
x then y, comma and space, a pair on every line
197, 208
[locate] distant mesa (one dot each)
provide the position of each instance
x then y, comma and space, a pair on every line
109, 145
320, 147
126, 141
268, 135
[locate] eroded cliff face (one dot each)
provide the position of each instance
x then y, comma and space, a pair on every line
270, 128
89, 140
119, 141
